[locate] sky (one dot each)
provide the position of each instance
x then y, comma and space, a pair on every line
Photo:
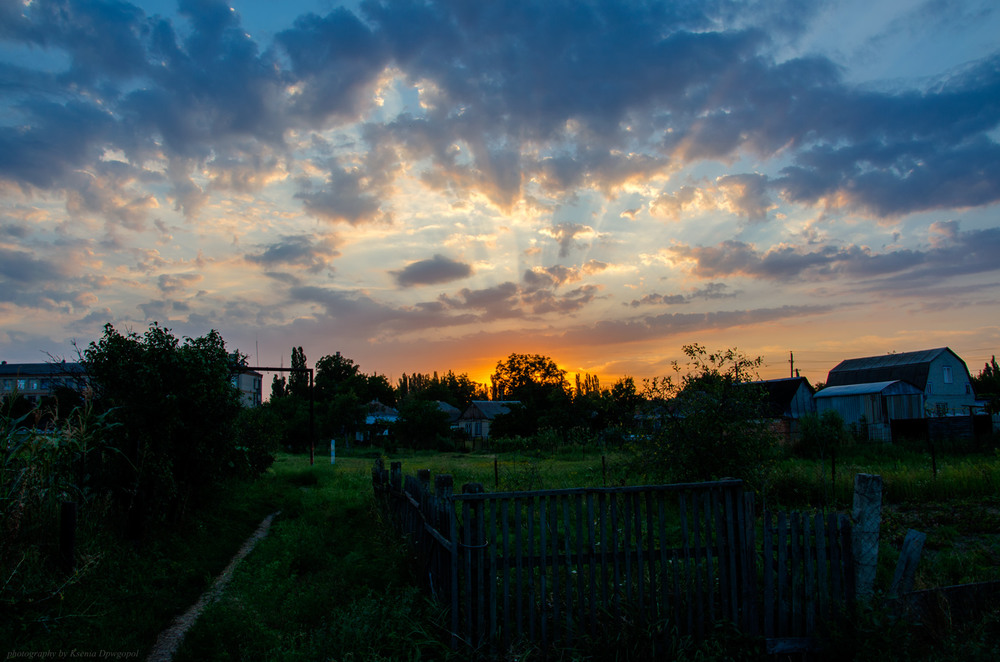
432, 185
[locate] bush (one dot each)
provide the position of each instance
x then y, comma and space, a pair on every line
177, 407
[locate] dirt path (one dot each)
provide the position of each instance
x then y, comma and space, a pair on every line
170, 639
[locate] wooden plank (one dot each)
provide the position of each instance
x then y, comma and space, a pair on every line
543, 584
809, 549
466, 558
711, 505
554, 539
836, 562
616, 585
795, 572
782, 593
639, 561
602, 508
453, 574
732, 553
591, 541
699, 589
768, 572
505, 639
621, 490
665, 615
751, 622
581, 576
906, 566
686, 547
822, 568
851, 588
651, 555
532, 608
568, 564
479, 555
627, 546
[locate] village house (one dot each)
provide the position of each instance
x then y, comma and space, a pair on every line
879, 394
478, 416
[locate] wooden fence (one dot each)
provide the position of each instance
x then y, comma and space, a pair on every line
549, 565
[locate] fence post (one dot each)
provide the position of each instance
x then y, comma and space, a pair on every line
906, 567
867, 518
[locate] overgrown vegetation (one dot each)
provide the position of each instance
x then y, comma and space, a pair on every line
160, 436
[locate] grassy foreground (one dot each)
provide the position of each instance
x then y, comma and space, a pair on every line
330, 582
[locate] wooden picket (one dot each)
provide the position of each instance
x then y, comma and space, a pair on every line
547, 565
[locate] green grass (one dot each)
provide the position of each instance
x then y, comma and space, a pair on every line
329, 582
332, 582
123, 593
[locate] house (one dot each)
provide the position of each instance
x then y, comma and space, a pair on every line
248, 383
35, 381
478, 416
378, 420
788, 400
880, 390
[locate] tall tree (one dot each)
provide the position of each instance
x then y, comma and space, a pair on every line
987, 384
522, 375
298, 381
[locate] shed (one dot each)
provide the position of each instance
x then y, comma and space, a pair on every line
478, 416
788, 400
871, 407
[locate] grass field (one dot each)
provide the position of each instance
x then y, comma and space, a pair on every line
330, 582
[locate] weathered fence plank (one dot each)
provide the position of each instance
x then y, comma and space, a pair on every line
546, 565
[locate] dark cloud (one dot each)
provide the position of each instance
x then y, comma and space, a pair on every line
23, 267
439, 269
335, 59
297, 250
710, 291
684, 324
58, 139
950, 253
499, 302
172, 283
346, 197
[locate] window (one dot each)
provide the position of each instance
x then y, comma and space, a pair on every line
21, 383
947, 374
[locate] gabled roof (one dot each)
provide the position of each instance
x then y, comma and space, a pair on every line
781, 392
452, 412
488, 409
912, 367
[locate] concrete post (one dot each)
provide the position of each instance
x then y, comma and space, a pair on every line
867, 519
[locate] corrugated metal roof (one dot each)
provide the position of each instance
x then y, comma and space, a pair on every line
895, 387
910, 367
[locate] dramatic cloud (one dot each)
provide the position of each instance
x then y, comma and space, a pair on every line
626, 175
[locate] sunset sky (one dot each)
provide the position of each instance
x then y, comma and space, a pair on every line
431, 185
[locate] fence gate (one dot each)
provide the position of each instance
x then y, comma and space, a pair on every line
548, 565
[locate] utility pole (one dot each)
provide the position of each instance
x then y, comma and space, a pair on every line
791, 365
